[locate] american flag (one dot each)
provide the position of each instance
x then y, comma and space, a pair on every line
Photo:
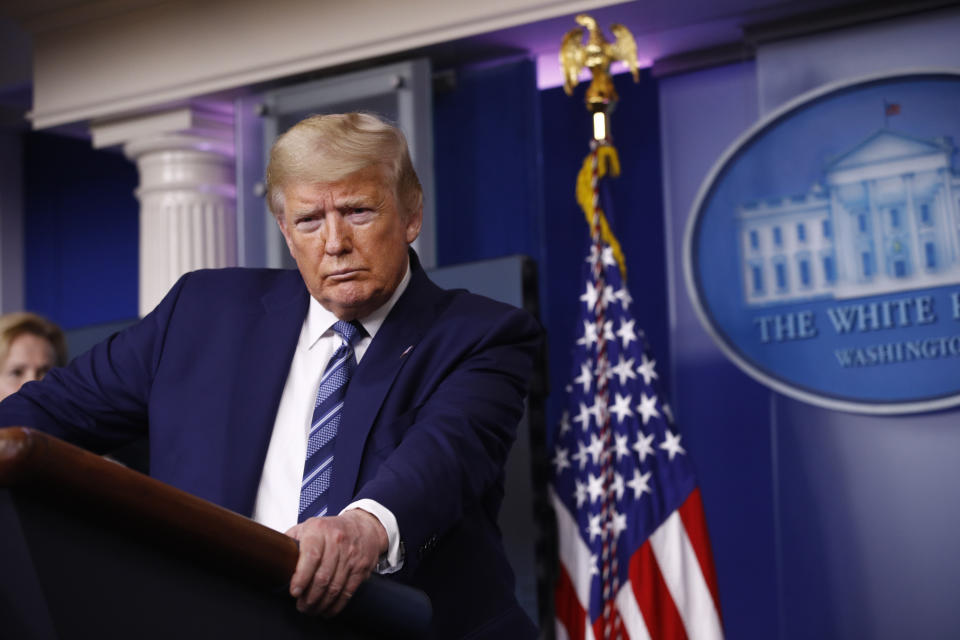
635, 560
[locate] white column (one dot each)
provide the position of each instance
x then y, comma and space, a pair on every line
876, 230
951, 214
844, 242
918, 260
187, 192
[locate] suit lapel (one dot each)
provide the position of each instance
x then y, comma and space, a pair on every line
374, 377
266, 347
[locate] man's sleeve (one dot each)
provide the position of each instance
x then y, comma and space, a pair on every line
457, 446
99, 400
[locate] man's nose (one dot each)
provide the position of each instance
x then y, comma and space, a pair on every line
339, 238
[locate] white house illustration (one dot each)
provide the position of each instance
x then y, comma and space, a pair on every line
885, 218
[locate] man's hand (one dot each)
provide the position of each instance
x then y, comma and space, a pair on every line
336, 555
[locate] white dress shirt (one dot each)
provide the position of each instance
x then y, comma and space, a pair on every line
278, 497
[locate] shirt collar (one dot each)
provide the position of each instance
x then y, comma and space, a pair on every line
320, 320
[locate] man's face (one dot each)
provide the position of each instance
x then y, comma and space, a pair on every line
349, 239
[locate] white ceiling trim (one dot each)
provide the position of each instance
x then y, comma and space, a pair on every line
170, 52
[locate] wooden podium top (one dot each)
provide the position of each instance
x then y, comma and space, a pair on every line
28, 457
152, 511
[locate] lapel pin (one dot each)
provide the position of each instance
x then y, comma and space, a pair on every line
406, 351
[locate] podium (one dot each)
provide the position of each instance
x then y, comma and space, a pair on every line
89, 548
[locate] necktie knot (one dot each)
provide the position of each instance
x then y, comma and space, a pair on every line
351, 332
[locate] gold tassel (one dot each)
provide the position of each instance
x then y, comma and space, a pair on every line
607, 162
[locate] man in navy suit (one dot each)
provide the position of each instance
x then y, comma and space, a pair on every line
223, 374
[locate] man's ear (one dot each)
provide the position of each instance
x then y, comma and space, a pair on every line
414, 223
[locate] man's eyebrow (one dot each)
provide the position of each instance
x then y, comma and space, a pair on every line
305, 211
356, 199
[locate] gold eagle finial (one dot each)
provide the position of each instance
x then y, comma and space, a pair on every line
596, 55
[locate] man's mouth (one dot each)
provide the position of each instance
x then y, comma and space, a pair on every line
342, 274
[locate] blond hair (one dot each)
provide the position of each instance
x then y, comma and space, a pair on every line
14, 325
328, 148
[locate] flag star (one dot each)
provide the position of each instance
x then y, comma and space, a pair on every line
624, 370
646, 368
589, 334
621, 407
590, 296
579, 492
581, 455
624, 297
599, 411
561, 460
594, 256
621, 446
626, 332
671, 444
647, 407
608, 330
608, 296
595, 486
640, 483
584, 379
594, 529
594, 569
617, 486
607, 257
565, 423
642, 446
595, 448
618, 524
583, 417
568, 388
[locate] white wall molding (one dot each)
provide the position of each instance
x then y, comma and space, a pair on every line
158, 53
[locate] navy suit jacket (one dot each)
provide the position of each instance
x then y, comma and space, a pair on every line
428, 419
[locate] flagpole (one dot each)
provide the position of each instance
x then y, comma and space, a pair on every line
601, 97
634, 560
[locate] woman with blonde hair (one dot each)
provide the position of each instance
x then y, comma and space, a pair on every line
30, 345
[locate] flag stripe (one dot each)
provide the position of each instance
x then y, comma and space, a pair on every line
653, 598
574, 553
630, 614
683, 577
570, 615
691, 513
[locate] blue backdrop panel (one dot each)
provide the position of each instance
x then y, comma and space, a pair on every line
486, 145
80, 232
724, 414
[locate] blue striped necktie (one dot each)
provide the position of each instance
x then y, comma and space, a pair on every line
318, 468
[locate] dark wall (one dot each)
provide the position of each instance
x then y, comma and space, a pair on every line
486, 158
507, 158
80, 232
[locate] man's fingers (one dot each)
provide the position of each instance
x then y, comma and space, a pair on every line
336, 555
311, 555
349, 589
323, 579
342, 586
